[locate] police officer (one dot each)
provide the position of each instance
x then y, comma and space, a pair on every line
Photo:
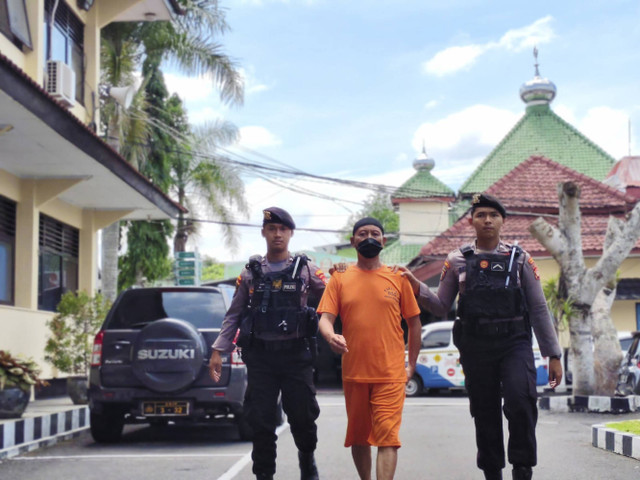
500, 300
277, 336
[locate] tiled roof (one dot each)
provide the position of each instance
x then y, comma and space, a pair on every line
526, 198
423, 185
399, 254
540, 132
627, 171
533, 185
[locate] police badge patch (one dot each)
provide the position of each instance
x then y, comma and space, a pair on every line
445, 268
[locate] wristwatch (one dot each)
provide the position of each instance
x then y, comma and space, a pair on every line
555, 357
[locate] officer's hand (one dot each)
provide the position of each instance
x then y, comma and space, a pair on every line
411, 370
338, 267
555, 372
405, 272
338, 344
215, 366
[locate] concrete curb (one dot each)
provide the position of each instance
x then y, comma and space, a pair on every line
27, 434
616, 441
591, 403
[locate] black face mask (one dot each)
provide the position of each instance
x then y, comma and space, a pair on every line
369, 247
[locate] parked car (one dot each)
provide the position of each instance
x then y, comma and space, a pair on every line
629, 373
150, 363
438, 365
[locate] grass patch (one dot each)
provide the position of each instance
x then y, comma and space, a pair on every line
628, 426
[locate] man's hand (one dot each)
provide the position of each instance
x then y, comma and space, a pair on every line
411, 370
338, 267
555, 372
337, 343
215, 366
405, 272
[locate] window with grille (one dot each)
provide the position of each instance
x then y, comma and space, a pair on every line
65, 41
58, 261
7, 250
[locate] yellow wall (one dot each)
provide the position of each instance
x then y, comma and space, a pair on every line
424, 220
623, 312
25, 332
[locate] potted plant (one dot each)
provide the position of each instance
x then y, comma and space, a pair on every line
17, 375
70, 343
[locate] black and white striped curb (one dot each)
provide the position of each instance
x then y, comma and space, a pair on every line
590, 403
616, 441
27, 434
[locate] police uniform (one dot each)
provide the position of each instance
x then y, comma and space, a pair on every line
493, 334
278, 360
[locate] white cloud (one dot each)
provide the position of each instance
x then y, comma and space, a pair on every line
458, 58
538, 33
258, 137
189, 88
202, 115
608, 128
481, 124
431, 104
251, 83
453, 59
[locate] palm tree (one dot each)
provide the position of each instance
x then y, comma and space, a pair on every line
188, 44
204, 182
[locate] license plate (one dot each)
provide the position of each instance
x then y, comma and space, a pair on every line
160, 408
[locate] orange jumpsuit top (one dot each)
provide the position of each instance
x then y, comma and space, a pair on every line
371, 304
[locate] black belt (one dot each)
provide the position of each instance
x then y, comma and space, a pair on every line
279, 345
493, 329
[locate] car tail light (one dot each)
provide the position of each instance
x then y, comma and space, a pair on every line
96, 354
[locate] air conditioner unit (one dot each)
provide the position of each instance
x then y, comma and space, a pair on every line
61, 82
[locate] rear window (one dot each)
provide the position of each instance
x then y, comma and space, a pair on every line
138, 308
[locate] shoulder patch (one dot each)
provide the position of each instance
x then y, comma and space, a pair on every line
445, 269
238, 281
534, 267
321, 276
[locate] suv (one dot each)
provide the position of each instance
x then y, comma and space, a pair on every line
150, 362
629, 372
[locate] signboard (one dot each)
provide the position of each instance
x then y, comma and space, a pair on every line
186, 268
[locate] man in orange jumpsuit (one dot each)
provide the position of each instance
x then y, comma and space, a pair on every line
371, 301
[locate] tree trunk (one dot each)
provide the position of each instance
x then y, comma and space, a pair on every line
607, 352
111, 234
110, 247
582, 353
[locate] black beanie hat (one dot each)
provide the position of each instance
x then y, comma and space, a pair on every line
367, 221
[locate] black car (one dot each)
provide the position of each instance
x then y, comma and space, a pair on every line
150, 363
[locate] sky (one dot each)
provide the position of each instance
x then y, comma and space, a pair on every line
353, 89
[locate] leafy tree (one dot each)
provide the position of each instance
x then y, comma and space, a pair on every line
187, 43
378, 206
72, 331
204, 181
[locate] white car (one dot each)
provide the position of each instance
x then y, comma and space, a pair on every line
438, 365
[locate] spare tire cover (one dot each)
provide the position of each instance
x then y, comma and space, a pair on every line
168, 355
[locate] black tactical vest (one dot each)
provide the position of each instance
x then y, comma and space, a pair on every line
275, 304
491, 286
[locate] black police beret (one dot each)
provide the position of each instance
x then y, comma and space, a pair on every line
367, 221
486, 200
277, 215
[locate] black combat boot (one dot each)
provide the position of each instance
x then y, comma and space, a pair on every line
522, 473
264, 476
492, 474
308, 469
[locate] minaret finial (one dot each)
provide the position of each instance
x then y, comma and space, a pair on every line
424, 147
535, 56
